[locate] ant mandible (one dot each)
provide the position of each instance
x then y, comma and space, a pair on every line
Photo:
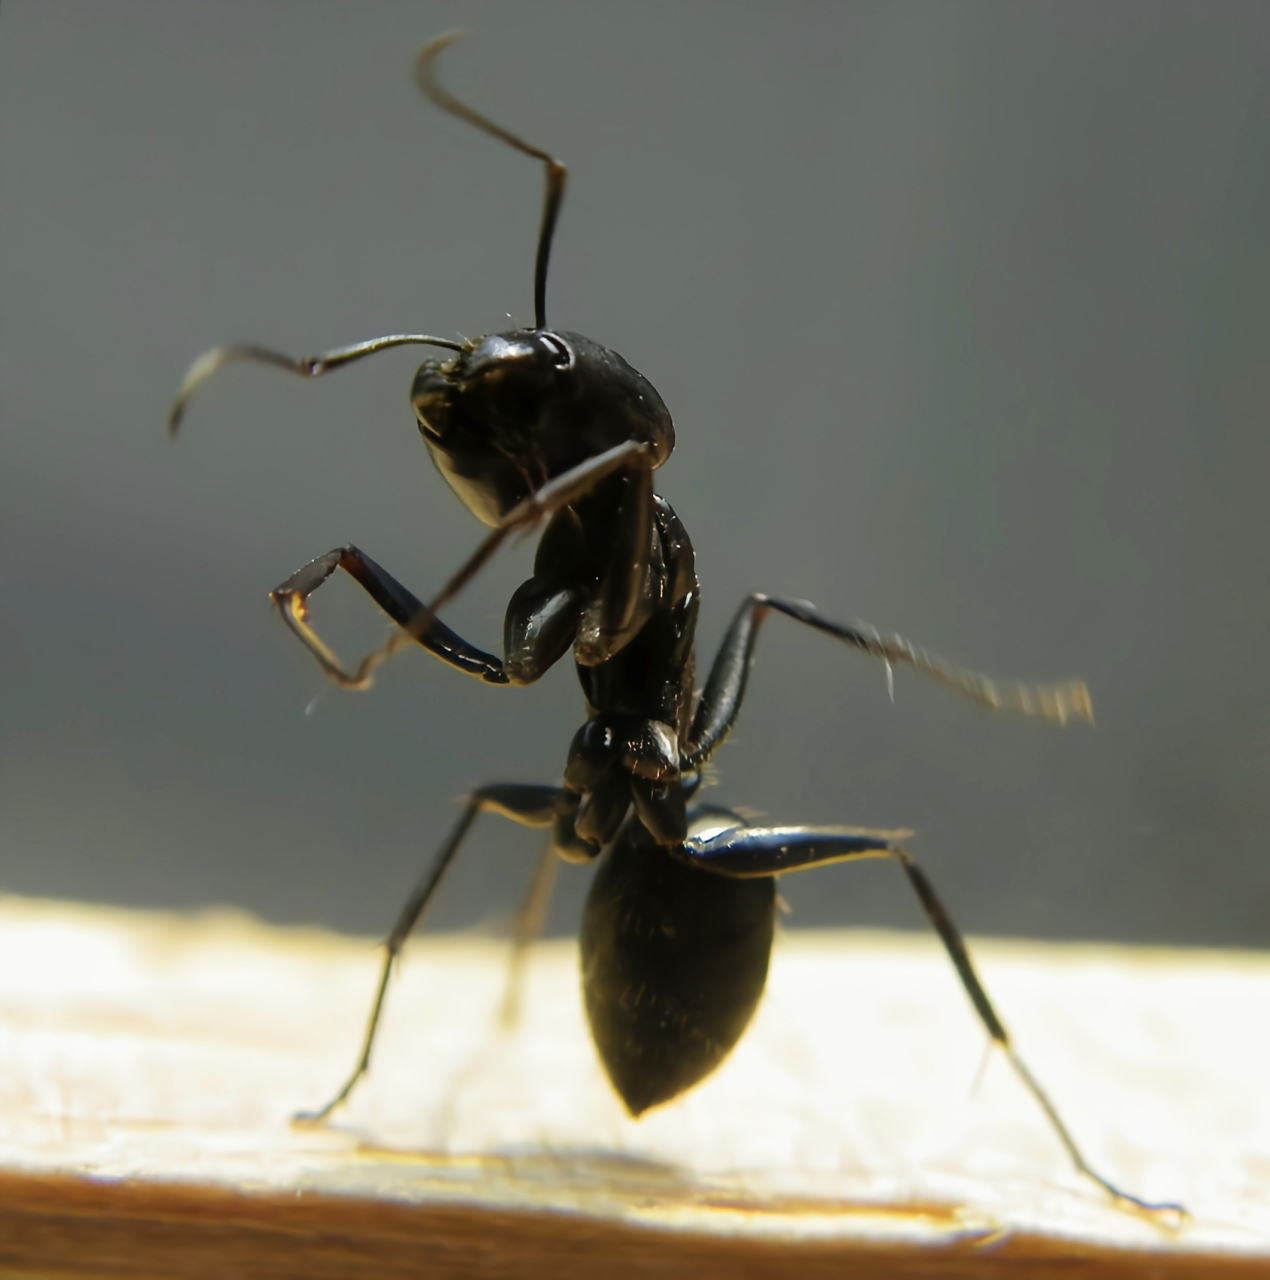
540, 426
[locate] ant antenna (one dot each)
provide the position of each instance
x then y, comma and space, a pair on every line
426, 79
306, 366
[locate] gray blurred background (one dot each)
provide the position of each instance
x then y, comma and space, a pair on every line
963, 312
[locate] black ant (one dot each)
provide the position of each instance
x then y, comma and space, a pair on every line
543, 425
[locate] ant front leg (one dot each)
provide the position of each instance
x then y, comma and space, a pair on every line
563, 604
540, 623
543, 617
396, 601
721, 700
625, 596
528, 805
770, 851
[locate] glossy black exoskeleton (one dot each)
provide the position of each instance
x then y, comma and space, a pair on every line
541, 426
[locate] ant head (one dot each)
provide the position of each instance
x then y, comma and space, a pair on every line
517, 409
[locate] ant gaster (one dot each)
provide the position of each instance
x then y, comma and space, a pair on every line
540, 426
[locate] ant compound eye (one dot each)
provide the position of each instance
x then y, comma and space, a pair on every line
561, 352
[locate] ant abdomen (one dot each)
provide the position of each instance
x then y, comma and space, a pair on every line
674, 961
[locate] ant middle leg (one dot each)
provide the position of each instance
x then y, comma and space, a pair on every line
531, 806
769, 851
721, 700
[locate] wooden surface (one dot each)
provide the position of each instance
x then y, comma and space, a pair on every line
149, 1065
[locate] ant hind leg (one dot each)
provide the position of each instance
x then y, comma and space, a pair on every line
526, 929
757, 851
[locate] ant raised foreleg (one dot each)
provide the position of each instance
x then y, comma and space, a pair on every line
401, 605
566, 601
